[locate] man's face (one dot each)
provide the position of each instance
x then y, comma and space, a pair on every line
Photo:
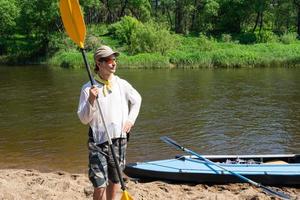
109, 65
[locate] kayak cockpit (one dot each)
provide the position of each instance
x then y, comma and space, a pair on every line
250, 159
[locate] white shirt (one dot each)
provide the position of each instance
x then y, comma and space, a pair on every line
121, 105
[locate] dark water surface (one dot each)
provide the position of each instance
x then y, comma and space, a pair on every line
226, 111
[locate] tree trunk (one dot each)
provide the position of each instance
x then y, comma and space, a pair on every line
193, 25
179, 17
261, 21
156, 7
122, 13
297, 4
298, 21
256, 22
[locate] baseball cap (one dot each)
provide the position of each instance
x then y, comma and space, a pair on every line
103, 52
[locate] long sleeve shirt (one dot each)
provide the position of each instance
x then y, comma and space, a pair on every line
120, 105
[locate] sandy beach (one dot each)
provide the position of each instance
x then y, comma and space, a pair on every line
30, 184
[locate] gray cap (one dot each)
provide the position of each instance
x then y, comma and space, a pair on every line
103, 52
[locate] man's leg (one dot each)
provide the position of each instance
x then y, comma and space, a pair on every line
111, 191
119, 146
99, 193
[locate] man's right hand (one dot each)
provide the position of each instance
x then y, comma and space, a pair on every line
93, 94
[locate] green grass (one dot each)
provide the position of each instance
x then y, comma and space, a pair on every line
219, 54
190, 52
193, 55
71, 59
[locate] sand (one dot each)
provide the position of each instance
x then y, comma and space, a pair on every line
32, 184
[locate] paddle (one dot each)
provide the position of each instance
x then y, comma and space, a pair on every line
264, 188
75, 27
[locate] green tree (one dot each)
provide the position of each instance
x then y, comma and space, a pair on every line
9, 12
113, 10
297, 4
38, 20
93, 10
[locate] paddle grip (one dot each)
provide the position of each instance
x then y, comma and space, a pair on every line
87, 66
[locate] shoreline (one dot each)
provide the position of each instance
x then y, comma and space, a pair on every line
191, 53
28, 184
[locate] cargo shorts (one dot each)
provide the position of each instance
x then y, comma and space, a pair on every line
102, 167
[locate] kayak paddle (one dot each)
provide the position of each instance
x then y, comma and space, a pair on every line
75, 27
269, 191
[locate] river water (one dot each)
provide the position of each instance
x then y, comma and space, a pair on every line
211, 111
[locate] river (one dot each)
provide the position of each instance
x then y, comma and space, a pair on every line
211, 111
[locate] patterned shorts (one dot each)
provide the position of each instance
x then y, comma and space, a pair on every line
101, 163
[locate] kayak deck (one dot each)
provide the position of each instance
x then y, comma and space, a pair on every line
192, 169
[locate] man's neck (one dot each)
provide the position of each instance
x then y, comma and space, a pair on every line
106, 77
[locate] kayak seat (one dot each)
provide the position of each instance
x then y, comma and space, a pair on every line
275, 162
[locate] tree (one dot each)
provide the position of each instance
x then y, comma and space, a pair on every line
9, 12
37, 21
297, 4
114, 10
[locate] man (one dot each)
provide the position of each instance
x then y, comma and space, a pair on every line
120, 104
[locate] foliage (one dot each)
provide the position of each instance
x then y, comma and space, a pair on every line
69, 59
205, 44
142, 38
113, 10
60, 42
226, 38
151, 38
247, 38
92, 43
144, 60
38, 17
33, 29
189, 55
267, 36
9, 12
288, 38
124, 29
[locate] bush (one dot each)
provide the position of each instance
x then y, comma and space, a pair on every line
267, 36
98, 29
92, 43
247, 38
151, 38
123, 29
59, 41
288, 38
142, 38
226, 38
205, 44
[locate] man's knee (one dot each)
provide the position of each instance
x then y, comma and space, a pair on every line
99, 193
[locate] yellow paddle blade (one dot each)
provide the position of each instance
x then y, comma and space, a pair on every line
126, 196
73, 21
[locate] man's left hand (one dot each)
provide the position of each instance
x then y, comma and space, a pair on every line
127, 127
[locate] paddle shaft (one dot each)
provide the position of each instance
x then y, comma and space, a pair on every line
105, 127
266, 189
212, 163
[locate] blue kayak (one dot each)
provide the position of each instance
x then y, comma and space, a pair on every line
266, 169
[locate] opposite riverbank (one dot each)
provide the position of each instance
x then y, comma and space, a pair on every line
187, 52
199, 53
32, 184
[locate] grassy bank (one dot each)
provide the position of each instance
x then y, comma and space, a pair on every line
195, 52
152, 46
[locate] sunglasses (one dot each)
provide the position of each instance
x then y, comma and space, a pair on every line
108, 60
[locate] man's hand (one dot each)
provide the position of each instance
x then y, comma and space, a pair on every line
127, 127
93, 94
